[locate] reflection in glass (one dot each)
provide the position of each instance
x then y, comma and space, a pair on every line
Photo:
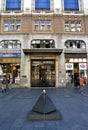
43, 73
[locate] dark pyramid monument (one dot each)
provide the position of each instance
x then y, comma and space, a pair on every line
44, 109
44, 105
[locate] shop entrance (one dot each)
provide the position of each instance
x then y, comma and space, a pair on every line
9, 71
43, 73
76, 74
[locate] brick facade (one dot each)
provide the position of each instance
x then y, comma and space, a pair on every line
58, 23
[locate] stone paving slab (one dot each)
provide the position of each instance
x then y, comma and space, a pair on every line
15, 105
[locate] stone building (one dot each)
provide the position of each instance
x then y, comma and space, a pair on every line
43, 43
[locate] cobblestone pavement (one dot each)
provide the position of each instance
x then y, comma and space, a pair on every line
15, 104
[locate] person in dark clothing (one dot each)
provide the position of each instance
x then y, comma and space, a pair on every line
3, 84
76, 81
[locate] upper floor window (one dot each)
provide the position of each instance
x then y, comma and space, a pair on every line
13, 5
75, 44
6, 26
10, 44
18, 25
43, 25
42, 43
73, 26
12, 26
42, 4
71, 5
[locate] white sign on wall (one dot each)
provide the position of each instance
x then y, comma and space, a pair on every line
69, 66
82, 66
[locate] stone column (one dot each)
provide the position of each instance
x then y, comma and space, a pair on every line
24, 60
23, 71
57, 70
62, 71
28, 70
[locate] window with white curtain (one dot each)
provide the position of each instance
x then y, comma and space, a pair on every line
73, 26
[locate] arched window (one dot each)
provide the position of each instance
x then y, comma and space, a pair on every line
13, 5
42, 4
71, 5
79, 44
45, 43
10, 44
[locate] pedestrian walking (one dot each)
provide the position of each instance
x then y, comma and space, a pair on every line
81, 82
10, 83
3, 84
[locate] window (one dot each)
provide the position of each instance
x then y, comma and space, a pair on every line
10, 44
67, 27
43, 43
6, 26
12, 26
43, 25
79, 26
73, 26
36, 25
13, 5
75, 44
18, 25
42, 4
71, 5
48, 25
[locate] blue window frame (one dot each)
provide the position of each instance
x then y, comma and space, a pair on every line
13, 5
42, 4
71, 5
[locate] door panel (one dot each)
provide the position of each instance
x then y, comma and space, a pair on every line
43, 73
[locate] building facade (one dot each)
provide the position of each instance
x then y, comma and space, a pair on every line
43, 43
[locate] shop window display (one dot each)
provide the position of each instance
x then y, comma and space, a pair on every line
10, 71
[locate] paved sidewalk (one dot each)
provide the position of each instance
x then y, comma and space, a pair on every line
15, 104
